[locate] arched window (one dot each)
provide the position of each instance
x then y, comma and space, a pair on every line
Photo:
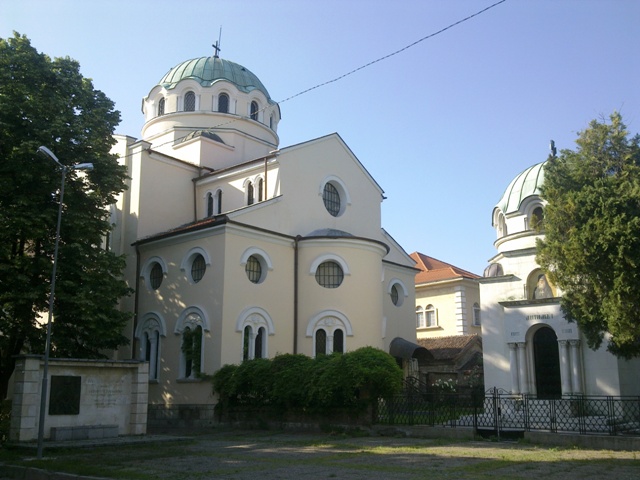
321, 342
256, 325
223, 103
338, 341
209, 204
537, 219
420, 318
476, 315
271, 122
260, 190
250, 198
161, 106
329, 329
192, 351
219, 201
190, 102
254, 110
502, 226
148, 332
430, 314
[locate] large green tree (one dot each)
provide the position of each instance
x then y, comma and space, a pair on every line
591, 248
48, 102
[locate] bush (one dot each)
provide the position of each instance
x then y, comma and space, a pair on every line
348, 382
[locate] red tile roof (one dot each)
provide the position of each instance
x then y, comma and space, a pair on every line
443, 348
433, 270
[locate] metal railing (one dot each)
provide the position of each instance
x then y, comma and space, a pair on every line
500, 411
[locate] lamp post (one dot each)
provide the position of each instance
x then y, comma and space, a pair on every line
45, 374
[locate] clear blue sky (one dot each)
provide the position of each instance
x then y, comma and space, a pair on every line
443, 126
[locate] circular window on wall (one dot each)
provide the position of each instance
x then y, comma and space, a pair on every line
395, 298
331, 199
253, 269
156, 276
329, 274
198, 267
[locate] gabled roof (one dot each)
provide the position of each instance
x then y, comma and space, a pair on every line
449, 348
433, 270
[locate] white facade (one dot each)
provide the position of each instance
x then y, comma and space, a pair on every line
528, 346
230, 238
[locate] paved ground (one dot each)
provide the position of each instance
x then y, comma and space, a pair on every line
259, 455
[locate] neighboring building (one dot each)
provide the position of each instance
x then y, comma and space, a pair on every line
457, 358
240, 249
447, 299
528, 346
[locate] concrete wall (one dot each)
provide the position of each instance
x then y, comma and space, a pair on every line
111, 393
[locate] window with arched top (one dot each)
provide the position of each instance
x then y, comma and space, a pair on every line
420, 318
219, 202
190, 102
161, 106
254, 110
537, 218
250, 194
502, 226
209, 204
431, 316
223, 103
260, 190
476, 314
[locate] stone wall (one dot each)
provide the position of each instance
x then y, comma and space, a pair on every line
81, 393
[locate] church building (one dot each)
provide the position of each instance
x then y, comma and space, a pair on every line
528, 346
238, 248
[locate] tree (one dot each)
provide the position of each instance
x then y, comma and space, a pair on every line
591, 248
48, 102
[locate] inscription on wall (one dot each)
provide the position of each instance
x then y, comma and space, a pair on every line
542, 316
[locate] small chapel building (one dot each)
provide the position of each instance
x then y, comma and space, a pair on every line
528, 346
238, 248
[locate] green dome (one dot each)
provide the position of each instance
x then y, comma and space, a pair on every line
526, 184
209, 70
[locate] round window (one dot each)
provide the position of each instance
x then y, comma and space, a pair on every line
329, 274
155, 276
253, 269
331, 199
198, 267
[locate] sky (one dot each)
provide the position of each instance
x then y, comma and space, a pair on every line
443, 126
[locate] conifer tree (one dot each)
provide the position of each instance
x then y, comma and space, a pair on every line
591, 248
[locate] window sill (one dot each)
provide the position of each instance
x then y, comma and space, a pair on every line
188, 380
435, 327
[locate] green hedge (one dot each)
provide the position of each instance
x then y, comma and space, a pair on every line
347, 382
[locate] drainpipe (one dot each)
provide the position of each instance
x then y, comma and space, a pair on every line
135, 306
295, 293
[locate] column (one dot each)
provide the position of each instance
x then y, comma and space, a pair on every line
522, 368
329, 343
252, 344
576, 370
513, 362
565, 372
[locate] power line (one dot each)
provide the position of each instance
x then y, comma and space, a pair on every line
362, 67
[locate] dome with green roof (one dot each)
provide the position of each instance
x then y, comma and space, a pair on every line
526, 184
209, 70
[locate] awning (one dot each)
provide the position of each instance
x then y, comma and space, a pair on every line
405, 349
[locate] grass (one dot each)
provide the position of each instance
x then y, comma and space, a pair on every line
267, 455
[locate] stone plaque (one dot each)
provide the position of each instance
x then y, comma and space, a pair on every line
64, 395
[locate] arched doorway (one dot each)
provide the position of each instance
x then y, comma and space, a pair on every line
547, 363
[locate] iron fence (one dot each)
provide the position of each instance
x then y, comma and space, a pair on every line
499, 411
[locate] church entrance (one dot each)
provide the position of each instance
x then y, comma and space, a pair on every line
547, 363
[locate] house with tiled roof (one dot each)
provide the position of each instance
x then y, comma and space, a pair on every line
456, 358
447, 299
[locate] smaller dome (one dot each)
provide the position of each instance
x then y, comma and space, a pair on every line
329, 232
493, 270
209, 70
201, 133
526, 184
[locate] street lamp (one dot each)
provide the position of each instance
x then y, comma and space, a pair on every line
43, 392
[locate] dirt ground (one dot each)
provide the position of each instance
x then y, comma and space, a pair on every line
259, 455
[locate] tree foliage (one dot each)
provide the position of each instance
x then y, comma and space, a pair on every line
48, 102
345, 382
591, 248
